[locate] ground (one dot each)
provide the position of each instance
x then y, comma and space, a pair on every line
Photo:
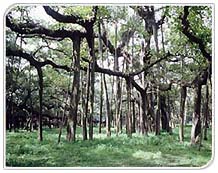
24, 150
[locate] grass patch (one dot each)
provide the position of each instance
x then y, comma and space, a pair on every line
24, 150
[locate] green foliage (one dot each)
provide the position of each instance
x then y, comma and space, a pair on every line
113, 13
83, 11
200, 23
103, 13
23, 149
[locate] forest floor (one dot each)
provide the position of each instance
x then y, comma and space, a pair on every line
24, 150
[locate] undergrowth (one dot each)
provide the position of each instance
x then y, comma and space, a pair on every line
24, 150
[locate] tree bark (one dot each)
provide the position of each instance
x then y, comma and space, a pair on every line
144, 125
117, 86
90, 40
84, 112
158, 113
142, 113
206, 112
92, 83
164, 114
11, 113
108, 111
10, 110
39, 70
133, 117
65, 99
102, 82
121, 119
74, 100
118, 104
87, 103
128, 116
183, 94
196, 119
101, 104
138, 101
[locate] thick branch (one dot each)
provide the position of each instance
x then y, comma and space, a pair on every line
186, 30
37, 64
70, 18
50, 48
110, 72
126, 35
65, 18
137, 86
32, 61
108, 43
32, 28
201, 78
146, 68
119, 74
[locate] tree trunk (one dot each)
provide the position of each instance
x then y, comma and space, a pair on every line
151, 109
92, 83
169, 111
129, 116
133, 117
133, 129
141, 126
121, 120
87, 103
144, 125
117, 85
112, 98
84, 112
31, 103
139, 112
182, 109
196, 119
62, 124
90, 40
102, 83
118, 98
120, 108
11, 113
158, 114
118, 104
101, 104
164, 114
39, 70
206, 113
74, 100
155, 33
65, 99
108, 111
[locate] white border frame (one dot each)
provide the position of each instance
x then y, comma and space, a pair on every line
111, 168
